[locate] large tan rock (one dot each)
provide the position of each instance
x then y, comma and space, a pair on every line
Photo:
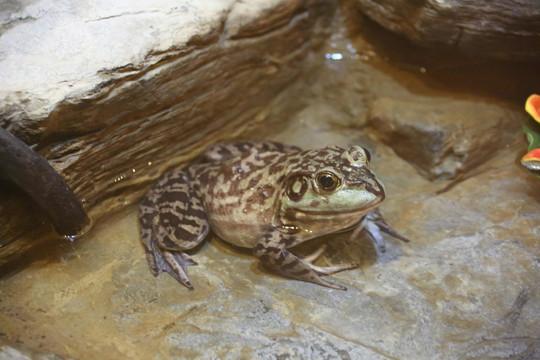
502, 29
113, 94
443, 137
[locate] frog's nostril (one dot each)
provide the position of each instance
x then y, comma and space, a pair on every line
374, 188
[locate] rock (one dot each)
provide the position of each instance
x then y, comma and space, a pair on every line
114, 94
443, 137
10, 350
465, 287
501, 29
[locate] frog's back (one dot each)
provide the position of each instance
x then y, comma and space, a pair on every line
240, 195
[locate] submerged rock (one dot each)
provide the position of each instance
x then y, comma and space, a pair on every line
442, 137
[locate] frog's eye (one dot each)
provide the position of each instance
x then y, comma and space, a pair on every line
327, 181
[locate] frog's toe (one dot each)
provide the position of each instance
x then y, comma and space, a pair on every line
330, 285
306, 272
329, 270
153, 264
175, 263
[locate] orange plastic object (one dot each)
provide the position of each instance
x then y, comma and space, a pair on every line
532, 106
533, 155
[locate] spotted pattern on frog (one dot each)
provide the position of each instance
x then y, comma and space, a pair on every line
265, 196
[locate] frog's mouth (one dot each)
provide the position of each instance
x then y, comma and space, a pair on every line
318, 223
295, 214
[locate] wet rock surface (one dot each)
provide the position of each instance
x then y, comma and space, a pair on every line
113, 95
441, 137
502, 29
11, 350
465, 287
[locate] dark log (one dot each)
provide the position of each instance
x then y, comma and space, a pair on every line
33, 174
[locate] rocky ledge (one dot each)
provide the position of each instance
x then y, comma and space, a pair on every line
496, 29
113, 94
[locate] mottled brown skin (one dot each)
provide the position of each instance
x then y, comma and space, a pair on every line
264, 196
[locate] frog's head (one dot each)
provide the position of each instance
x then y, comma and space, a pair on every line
333, 186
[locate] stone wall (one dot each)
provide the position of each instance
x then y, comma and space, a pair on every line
114, 94
496, 29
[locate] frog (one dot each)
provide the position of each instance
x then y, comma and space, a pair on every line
267, 197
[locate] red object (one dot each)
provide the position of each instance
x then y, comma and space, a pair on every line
532, 106
533, 155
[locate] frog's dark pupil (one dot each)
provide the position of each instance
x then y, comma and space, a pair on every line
327, 181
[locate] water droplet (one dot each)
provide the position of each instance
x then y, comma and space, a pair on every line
334, 56
82, 232
237, 169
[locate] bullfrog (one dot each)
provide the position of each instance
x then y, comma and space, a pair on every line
265, 196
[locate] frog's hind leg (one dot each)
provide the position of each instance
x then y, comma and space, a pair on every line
146, 216
325, 270
316, 254
271, 250
225, 151
177, 223
148, 211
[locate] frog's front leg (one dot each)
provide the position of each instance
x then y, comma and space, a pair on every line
271, 250
172, 220
373, 223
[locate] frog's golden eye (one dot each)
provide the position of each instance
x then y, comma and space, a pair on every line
328, 181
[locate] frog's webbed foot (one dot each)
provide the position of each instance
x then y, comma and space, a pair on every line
271, 250
175, 263
172, 220
373, 223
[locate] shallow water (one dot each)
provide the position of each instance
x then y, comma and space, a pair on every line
466, 287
